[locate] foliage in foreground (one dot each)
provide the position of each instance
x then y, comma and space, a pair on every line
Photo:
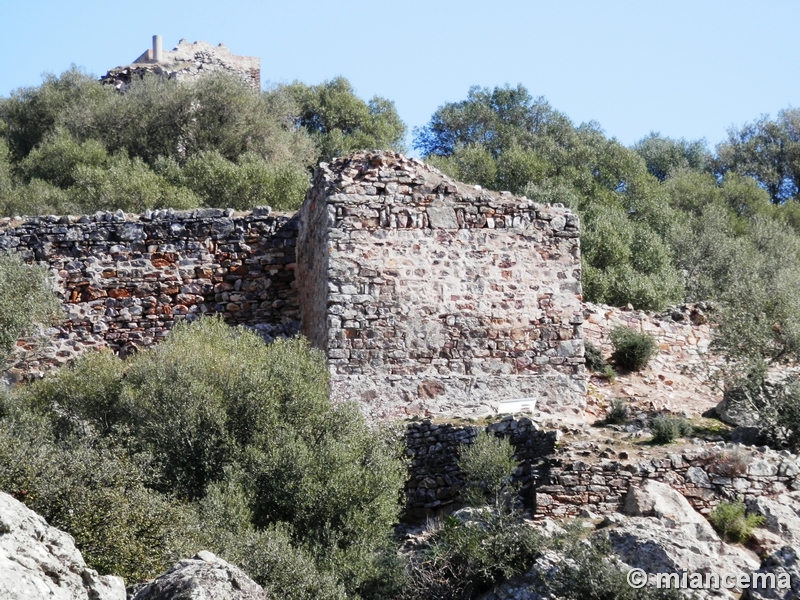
252, 462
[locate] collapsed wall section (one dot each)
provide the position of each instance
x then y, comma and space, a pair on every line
435, 297
125, 280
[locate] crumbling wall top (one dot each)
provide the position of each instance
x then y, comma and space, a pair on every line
185, 61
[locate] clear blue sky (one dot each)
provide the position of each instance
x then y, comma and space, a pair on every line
684, 68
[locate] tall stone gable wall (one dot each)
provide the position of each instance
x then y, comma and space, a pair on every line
433, 297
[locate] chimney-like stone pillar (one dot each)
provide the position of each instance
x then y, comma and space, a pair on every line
157, 56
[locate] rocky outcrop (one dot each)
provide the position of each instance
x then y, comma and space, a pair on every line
204, 577
781, 515
780, 564
666, 535
40, 562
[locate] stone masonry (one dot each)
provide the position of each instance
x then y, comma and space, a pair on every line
125, 280
185, 62
433, 297
428, 297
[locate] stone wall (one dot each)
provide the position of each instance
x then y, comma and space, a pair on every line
125, 280
435, 482
704, 475
429, 297
556, 484
439, 298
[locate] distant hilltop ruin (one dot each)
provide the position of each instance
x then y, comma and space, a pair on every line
186, 61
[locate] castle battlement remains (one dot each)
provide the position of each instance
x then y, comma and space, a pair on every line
184, 62
427, 296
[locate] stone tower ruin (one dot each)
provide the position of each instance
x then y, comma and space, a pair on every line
433, 297
184, 62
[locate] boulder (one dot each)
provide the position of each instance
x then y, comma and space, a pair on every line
40, 561
781, 515
781, 563
204, 577
654, 499
659, 546
734, 410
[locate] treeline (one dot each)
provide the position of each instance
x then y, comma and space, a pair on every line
72, 145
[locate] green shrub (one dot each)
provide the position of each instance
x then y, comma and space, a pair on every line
95, 494
632, 349
617, 412
609, 373
732, 522
466, 558
25, 299
487, 463
251, 430
594, 358
668, 428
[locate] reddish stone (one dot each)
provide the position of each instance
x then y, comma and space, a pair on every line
119, 293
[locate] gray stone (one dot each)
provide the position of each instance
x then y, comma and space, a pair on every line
442, 217
205, 577
781, 515
39, 561
783, 564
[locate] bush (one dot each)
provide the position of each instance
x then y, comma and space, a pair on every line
594, 358
488, 464
466, 558
25, 299
94, 494
251, 429
667, 429
632, 349
732, 522
617, 412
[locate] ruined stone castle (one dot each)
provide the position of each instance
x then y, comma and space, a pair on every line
428, 297
184, 62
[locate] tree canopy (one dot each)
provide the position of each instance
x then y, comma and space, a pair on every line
74, 145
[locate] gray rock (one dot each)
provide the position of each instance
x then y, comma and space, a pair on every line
747, 436
733, 411
656, 546
779, 564
204, 577
781, 515
39, 561
654, 499
442, 217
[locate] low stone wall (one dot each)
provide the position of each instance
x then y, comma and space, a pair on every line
125, 280
435, 481
705, 477
556, 484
